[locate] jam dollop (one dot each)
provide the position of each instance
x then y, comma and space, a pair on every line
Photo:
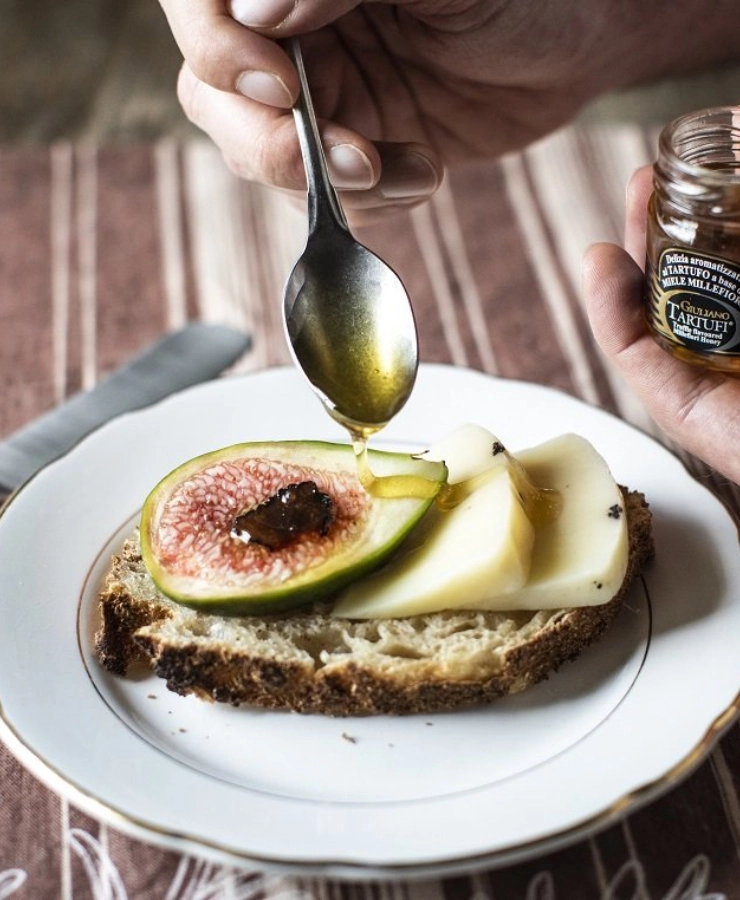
292, 511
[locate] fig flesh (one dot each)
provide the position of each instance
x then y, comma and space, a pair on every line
188, 524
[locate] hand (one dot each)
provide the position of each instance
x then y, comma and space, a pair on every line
699, 410
405, 87
398, 93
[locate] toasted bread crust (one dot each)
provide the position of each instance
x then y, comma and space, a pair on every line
139, 624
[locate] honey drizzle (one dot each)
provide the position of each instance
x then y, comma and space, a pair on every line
542, 505
390, 486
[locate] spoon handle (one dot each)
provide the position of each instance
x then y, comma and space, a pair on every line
323, 202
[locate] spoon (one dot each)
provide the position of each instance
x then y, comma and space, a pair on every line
348, 317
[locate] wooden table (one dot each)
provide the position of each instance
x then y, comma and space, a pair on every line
102, 249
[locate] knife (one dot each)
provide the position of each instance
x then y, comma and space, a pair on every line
182, 358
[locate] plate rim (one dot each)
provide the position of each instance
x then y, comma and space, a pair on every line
355, 869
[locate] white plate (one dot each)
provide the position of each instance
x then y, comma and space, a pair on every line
374, 797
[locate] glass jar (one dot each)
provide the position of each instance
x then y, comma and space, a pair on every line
693, 240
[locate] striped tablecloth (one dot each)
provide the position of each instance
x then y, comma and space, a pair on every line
102, 249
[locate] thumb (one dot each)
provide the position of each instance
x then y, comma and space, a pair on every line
698, 409
612, 290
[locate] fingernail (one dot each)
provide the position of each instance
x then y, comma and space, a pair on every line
265, 88
350, 168
261, 13
409, 175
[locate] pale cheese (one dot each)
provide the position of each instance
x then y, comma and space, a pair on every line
486, 554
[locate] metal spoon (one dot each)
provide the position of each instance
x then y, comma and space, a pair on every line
348, 317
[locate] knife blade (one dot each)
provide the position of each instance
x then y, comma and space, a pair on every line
193, 354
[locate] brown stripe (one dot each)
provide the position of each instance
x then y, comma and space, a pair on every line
26, 349
605, 397
729, 782
519, 326
592, 167
610, 852
61, 259
29, 829
439, 229
454, 242
267, 292
682, 835
567, 874
73, 379
727, 791
456, 888
80, 843
449, 292
191, 297
731, 750
148, 871
131, 293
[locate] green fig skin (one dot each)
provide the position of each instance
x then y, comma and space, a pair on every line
381, 528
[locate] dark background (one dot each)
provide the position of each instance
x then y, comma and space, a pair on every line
106, 69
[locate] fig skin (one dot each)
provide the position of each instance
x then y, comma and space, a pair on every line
193, 559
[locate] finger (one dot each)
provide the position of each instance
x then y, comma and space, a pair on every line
357, 215
261, 143
408, 177
700, 410
282, 17
639, 190
227, 56
409, 173
407, 180
612, 289
414, 185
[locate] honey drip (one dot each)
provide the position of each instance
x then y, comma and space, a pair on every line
390, 486
542, 505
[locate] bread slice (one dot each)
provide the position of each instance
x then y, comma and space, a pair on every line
313, 662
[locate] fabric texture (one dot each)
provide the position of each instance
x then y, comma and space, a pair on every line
102, 249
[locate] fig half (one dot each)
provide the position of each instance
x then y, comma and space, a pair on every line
193, 555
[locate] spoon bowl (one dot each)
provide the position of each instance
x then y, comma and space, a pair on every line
348, 318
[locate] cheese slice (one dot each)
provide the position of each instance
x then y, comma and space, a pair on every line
485, 553
455, 556
579, 559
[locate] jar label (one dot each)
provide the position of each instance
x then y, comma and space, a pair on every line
694, 300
